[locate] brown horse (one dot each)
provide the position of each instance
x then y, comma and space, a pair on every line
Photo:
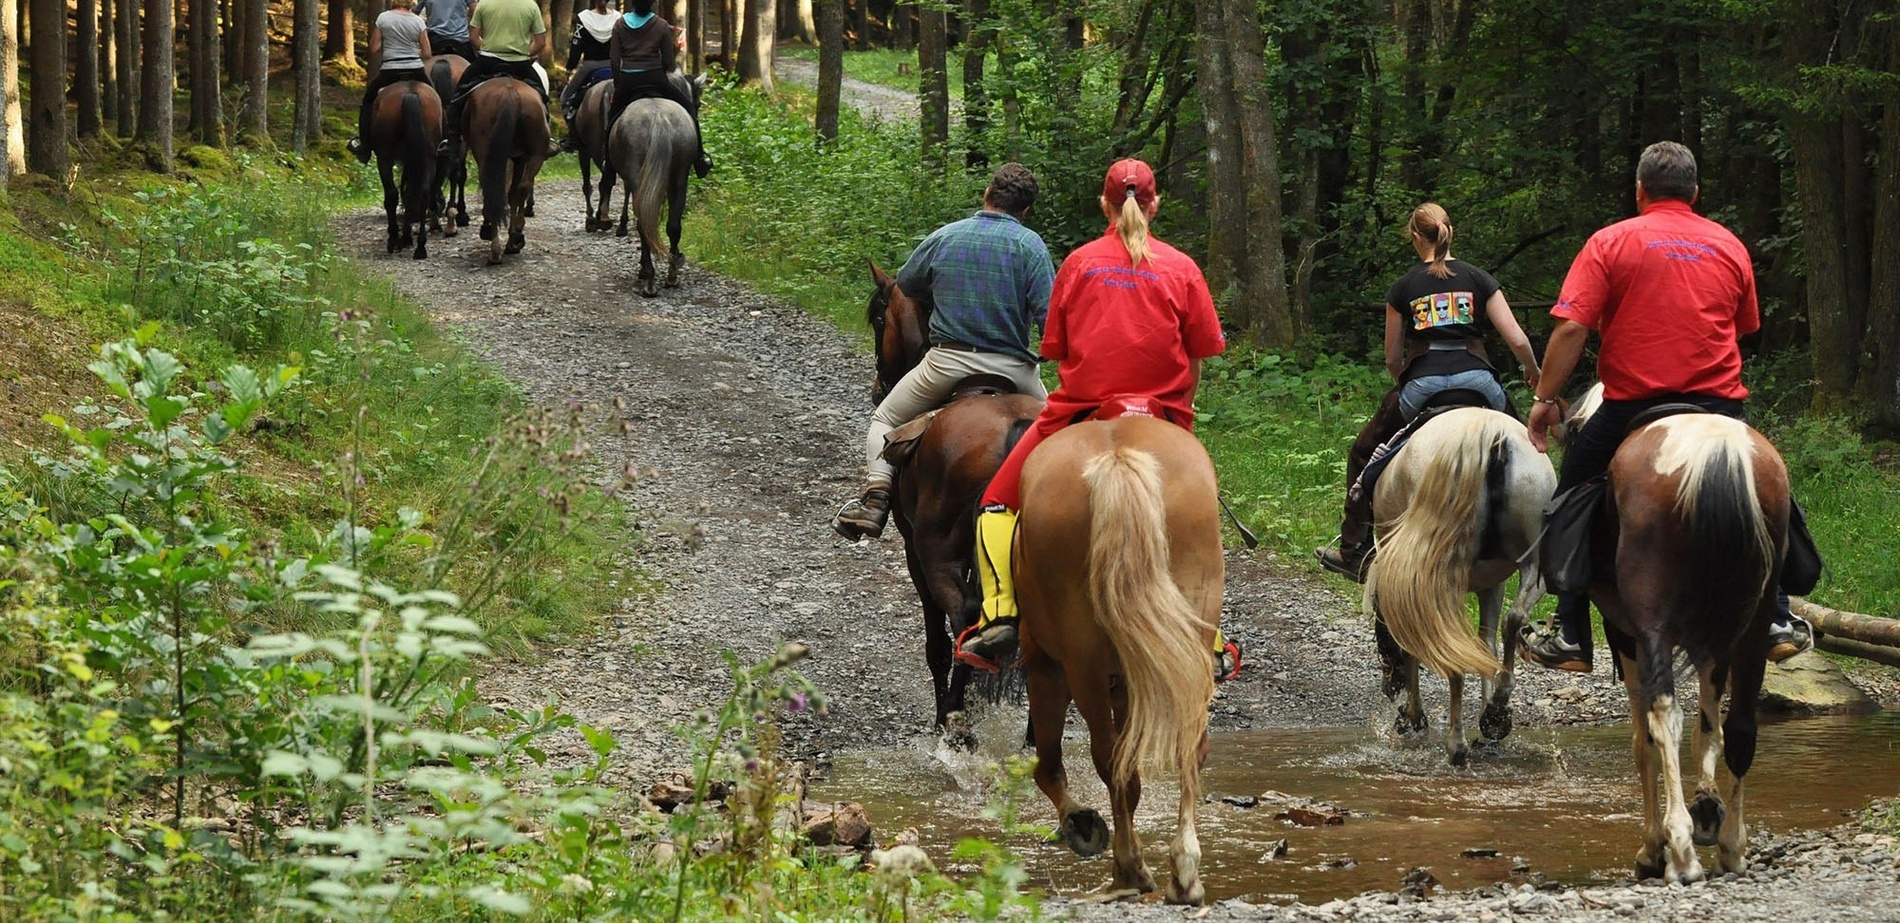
1118, 577
1687, 557
590, 126
405, 127
943, 464
451, 170
507, 129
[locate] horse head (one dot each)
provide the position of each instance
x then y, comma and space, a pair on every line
899, 330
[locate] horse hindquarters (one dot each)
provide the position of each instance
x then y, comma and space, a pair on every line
418, 170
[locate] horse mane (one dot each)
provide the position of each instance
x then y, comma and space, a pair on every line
1585, 407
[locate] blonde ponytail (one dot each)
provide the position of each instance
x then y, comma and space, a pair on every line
1432, 225
1132, 227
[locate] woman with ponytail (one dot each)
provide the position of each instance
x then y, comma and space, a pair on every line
1129, 316
1432, 344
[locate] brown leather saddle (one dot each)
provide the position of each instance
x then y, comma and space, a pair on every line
901, 444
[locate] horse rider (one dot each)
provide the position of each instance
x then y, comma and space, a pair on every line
1432, 344
1669, 291
507, 35
399, 43
989, 278
448, 26
1129, 316
586, 58
643, 52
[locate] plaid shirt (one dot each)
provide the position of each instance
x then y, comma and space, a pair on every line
989, 278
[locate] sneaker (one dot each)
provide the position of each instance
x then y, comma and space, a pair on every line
865, 516
1786, 639
1543, 644
447, 147
703, 165
358, 148
557, 148
568, 144
989, 649
1347, 560
1227, 662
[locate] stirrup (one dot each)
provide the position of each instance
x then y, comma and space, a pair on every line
973, 633
1230, 652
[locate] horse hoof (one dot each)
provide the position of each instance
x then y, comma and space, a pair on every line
1648, 867
1405, 726
527, 211
1193, 894
957, 734
1460, 755
422, 253
487, 232
1708, 812
620, 231
1085, 833
1495, 723
461, 220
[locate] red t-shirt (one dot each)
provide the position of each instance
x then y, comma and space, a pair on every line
1117, 329
1669, 291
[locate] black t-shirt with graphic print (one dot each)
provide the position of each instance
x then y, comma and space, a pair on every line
1442, 309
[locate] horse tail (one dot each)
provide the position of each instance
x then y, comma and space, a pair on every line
1158, 636
495, 162
418, 161
1732, 551
1423, 567
654, 183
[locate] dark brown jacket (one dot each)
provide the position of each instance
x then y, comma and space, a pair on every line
650, 47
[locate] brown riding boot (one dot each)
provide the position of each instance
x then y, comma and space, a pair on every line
865, 516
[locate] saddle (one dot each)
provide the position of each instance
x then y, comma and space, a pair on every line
1448, 399
1564, 551
901, 443
1127, 405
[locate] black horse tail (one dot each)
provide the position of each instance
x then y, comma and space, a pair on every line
654, 184
418, 162
1732, 551
495, 161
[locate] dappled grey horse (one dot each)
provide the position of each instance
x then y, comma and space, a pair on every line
652, 147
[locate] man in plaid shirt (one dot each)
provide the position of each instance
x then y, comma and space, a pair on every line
989, 278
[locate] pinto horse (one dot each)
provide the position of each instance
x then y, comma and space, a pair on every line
506, 128
1459, 509
405, 127
943, 462
1687, 556
590, 129
651, 147
1118, 575
451, 170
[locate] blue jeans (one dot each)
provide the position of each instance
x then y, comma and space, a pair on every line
1416, 392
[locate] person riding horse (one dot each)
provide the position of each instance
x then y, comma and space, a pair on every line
1669, 291
643, 53
1129, 316
1432, 344
399, 43
509, 35
587, 57
989, 277
448, 26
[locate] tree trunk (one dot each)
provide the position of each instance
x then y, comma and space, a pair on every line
1244, 238
1882, 387
696, 36
307, 117
156, 84
903, 27
340, 43
207, 101
755, 56
976, 100
933, 92
12, 136
830, 66
861, 25
231, 28
728, 33
254, 123
127, 23
1833, 336
108, 61
46, 148
807, 22
86, 68
1226, 196
560, 22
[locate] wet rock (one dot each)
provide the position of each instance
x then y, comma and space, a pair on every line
1240, 801
669, 795
1418, 882
1811, 684
1480, 852
1317, 816
843, 824
1533, 903
1275, 851
1520, 865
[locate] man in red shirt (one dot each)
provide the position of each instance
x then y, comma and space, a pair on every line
1129, 316
1669, 291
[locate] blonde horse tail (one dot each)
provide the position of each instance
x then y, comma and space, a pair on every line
1161, 640
1423, 567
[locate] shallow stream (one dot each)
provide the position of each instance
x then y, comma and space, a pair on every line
1564, 802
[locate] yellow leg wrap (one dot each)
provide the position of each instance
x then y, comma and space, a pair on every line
995, 540
1220, 642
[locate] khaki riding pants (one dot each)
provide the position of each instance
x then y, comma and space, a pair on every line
928, 386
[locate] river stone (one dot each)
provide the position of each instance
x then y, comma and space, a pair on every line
1811, 684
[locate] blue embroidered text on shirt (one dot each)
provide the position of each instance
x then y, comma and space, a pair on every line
1686, 250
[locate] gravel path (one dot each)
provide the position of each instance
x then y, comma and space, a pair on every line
873, 99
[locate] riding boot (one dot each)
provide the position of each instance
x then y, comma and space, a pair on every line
865, 516
989, 643
703, 165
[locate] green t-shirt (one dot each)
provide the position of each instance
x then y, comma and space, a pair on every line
508, 27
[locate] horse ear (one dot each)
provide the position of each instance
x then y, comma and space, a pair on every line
879, 276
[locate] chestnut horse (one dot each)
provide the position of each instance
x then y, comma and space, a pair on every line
590, 131
451, 170
1687, 556
1459, 509
506, 127
941, 474
1118, 576
404, 128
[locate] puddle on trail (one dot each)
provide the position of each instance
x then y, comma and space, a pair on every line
1565, 800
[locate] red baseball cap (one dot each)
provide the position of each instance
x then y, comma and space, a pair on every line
1129, 177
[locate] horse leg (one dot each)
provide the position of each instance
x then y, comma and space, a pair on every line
1411, 718
649, 281
1455, 748
1495, 722
626, 200
1705, 742
1649, 859
1738, 745
587, 188
603, 217
1105, 711
459, 183
1184, 854
675, 221
1081, 828
520, 200
386, 168
936, 635
1664, 723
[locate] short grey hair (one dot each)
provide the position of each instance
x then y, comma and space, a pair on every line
1667, 171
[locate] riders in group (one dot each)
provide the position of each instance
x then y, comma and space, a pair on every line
448, 26
398, 43
508, 35
643, 51
988, 278
1668, 292
1128, 316
1432, 344
587, 59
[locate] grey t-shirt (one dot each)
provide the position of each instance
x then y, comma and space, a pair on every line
447, 18
402, 39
